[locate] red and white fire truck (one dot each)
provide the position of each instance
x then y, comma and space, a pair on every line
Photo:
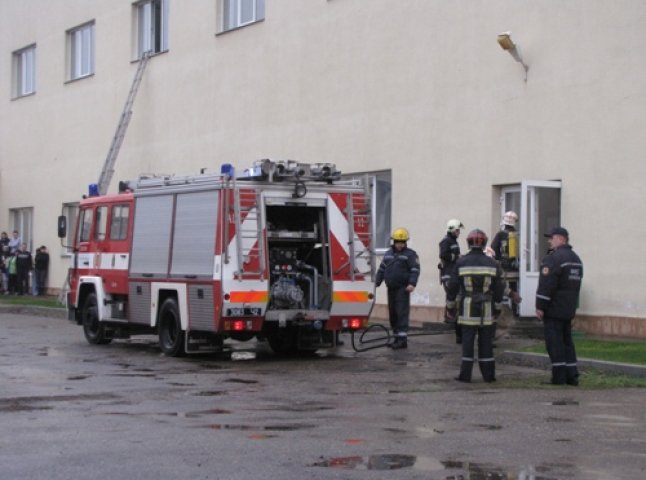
282, 252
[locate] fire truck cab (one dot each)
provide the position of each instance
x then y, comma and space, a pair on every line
282, 252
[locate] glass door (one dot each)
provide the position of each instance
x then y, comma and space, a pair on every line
540, 210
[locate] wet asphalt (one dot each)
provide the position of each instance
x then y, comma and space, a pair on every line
73, 410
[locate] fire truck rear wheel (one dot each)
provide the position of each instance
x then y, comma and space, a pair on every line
283, 341
171, 335
93, 329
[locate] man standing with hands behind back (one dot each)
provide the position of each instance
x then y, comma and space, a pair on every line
557, 298
400, 270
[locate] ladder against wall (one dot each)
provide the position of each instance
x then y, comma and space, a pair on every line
108, 167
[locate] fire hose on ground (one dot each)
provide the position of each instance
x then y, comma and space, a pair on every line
363, 343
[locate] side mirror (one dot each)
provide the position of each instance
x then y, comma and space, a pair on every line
62, 226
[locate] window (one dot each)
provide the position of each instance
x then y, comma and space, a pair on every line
382, 185
70, 211
152, 26
24, 66
119, 223
238, 13
101, 223
80, 51
85, 224
22, 220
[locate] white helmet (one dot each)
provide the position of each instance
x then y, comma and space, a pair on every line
454, 224
510, 218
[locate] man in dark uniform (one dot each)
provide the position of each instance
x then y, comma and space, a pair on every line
557, 298
400, 270
24, 265
477, 281
449, 254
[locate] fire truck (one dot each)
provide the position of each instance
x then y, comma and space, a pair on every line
282, 252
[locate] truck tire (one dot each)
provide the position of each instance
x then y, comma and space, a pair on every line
93, 330
171, 335
283, 341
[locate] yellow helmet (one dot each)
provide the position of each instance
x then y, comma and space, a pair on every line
400, 235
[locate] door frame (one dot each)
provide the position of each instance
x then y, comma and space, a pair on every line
529, 234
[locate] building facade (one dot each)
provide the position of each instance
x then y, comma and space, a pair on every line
417, 92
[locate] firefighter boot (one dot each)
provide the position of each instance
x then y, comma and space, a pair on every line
399, 343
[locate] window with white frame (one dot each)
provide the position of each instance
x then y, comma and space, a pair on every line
22, 221
238, 13
80, 48
152, 26
70, 211
24, 66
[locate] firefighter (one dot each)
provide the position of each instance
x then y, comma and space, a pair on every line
557, 298
400, 270
449, 253
477, 281
505, 247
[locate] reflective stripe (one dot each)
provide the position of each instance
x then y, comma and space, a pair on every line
476, 322
491, 359
248, 297
467, 359
401, 334
559, 364
570, 364
571, 264
451, 304
491, 271
543, 297
349, 296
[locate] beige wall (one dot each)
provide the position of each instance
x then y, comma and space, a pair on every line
419, 86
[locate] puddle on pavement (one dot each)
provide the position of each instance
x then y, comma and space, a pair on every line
240, 380
268, 428
475, 471
209, 393
489, 427
78, 377
563, 402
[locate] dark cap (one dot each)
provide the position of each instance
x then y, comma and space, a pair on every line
558, 231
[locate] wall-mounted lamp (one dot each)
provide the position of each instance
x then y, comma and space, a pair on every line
505, 41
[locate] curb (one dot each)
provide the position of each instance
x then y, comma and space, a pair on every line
33, 310
540, 360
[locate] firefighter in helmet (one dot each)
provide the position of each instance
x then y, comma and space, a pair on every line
449, 253
505, 247
400, 270
477, 281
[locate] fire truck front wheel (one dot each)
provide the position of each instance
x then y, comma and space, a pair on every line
93, 329
171, 335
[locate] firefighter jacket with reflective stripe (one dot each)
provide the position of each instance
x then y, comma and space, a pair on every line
449, 253
399, 269
559, 283
478, 283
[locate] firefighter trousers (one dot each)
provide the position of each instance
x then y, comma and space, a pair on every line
560, 348
486, 360
399, 310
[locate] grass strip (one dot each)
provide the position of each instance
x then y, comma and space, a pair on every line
608, 350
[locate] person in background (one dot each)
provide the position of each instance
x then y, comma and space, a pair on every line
12, 285
449, 254
14, 242
4, 254
557, 298
400, 270
24, 265
505, 246
41, 266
